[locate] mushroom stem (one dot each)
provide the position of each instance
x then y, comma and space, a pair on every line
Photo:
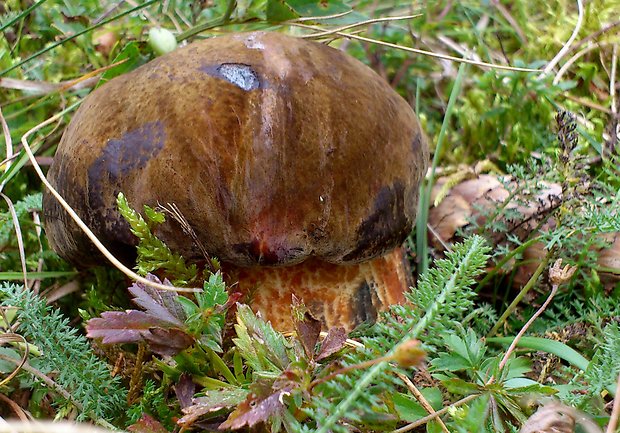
337, 294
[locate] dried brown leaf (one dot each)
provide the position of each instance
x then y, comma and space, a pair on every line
212, 401
185, 390
308, 328
333, 342
255, 410
147, 424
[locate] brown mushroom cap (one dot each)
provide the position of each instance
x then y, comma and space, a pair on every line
274, 148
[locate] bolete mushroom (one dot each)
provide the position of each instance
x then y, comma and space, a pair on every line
295, 164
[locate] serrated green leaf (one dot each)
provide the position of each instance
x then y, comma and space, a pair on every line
279, 11
450, 362
259, 343
214, 292
131, 58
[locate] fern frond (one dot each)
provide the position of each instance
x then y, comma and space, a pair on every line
67, 354
603, 370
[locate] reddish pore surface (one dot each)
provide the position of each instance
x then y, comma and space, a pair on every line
338, 295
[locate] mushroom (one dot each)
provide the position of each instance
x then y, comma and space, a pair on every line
295, 164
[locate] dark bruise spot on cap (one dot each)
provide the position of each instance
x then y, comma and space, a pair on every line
119, 157
385, 228
242, 76
362, 306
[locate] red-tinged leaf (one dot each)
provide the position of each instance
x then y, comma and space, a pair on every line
185, 390
161, 304
253, 410
233, 298
122, 326
333, 342
212, 401
167, 341
308, 328
147, 424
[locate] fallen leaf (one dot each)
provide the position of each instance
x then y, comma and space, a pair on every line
308, 328
212, 401
147, 424
333, 342
254, 410
185, 390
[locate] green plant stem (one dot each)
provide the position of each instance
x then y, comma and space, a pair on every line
80, 33
343, 370
223, 20
414, 333
22, 15
528, 286
434, 415
36, 275
425, 193
506, 259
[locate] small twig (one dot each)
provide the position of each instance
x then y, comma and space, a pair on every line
8, 144
575, 57
11, 337
343, 370
595, 35
614, 418
18, 235
15, 407
437, 236
51, 427
439, 413
418, 395
358, 24
566, 47
37, 228
590, 104
45, 379
172, 210
528, 286
424, 52
324, 17
513, 22
557, 277
543, 307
